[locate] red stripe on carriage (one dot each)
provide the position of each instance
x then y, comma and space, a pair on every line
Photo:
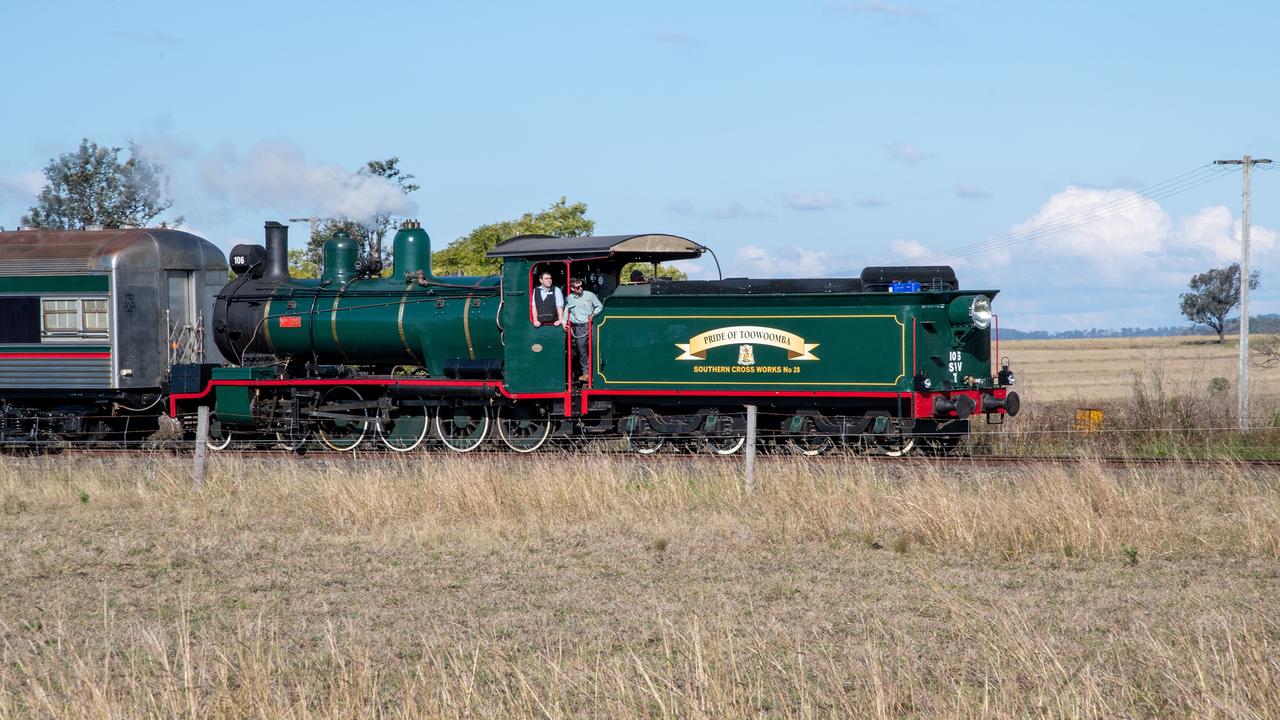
55, 356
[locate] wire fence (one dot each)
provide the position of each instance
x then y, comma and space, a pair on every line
716, 429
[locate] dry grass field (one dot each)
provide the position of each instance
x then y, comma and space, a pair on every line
617, 588
1104, 368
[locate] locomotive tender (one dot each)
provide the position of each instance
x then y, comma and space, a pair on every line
884, 360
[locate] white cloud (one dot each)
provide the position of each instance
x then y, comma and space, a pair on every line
810, 200
789, 262
907, 153
693, 268
1094, 235
23, 187
871, 201
1215, 232
1110, 258
909, 249
971, 191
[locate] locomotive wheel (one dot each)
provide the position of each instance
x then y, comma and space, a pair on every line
809, 442
727, 439
725, 445
346, 434
408, 428
524, 428
219, 439
642, 438
462, 428
893, 445
292, 440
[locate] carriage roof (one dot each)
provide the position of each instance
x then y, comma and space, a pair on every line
69, 252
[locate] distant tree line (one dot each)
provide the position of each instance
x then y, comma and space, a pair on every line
1261, 324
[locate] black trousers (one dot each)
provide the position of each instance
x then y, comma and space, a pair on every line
581, 338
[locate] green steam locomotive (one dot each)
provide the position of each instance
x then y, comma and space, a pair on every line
897, 357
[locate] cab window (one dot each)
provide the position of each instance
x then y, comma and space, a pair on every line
541, 308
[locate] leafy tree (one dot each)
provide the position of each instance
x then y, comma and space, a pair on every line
466, 255
301, 265
307, 263
664, 271
92, 187
1214, 294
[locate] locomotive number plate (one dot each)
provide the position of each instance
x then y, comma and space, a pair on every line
290, 321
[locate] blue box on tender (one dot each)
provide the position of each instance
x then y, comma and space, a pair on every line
904, 286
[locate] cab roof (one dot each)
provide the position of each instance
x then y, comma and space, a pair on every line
542, 246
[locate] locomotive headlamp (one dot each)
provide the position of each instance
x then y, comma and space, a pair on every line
980, 312
973, 310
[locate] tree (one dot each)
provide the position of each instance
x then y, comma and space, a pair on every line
664, 271
301, 264
1214, 294
307, 263
92, 187
466, 255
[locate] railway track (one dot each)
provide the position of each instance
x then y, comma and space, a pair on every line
917, 460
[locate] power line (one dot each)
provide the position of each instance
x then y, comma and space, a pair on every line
1175, 185
1119, 206
1114, 208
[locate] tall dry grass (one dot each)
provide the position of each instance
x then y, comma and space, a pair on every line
1090, 509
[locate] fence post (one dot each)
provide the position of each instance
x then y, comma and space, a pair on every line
202, 446
751, 449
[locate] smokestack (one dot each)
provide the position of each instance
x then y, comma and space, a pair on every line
277, 252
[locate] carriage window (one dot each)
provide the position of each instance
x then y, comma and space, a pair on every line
61, 316
72, 317
95, 316
19, 320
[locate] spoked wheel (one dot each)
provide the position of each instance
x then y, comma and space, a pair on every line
640, 436
726, 438
462, 428
342, 434
219, 438
808, 442
292, 440
524, 428
406, 429
893, 445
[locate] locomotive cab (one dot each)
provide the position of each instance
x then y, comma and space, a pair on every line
537, 358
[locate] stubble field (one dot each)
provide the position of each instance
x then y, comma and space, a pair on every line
1105, 368
599, 586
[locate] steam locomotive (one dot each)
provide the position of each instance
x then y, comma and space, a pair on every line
898, 356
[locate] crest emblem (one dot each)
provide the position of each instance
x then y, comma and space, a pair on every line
746, 355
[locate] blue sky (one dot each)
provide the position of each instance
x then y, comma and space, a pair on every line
802, 138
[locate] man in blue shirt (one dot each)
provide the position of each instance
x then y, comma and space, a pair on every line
581, 307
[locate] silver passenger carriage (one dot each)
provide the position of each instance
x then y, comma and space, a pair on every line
90, 323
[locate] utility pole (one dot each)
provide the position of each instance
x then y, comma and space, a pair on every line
1242, 378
